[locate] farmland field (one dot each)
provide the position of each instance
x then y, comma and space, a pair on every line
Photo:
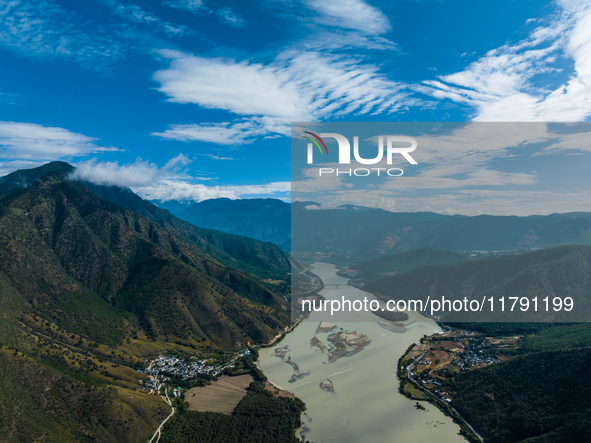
221, 396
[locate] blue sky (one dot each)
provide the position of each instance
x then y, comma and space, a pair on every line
193, 99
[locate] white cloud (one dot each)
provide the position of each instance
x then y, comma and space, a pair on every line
30, 141
472, 169
240, 87
350, 14
189, 5
138, 174
282, 92
165, 190
166, 183
506, 85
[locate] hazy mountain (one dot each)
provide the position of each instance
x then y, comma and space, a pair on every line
353, 234
172, 206
265, 219
388, 265
563, 271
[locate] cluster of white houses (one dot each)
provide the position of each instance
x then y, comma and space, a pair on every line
163, 367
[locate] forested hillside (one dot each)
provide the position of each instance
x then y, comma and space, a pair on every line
260, 417
89, 289
563, 271
539, 397
265, 219
38, 403
394, 264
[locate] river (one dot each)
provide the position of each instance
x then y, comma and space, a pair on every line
365, 405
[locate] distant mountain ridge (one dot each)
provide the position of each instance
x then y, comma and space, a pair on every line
393, 264
351, 235
265, 219
563, 271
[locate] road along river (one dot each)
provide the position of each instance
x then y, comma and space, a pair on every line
365, 405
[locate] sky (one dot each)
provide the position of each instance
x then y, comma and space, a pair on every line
194, 99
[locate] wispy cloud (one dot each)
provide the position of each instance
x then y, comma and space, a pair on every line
229, 16
43, 28
11, 99
506, 85
226, 14
189, 5
225, 133
350, 14
216, 157
471, 202
30, 141
136, 14
283, 91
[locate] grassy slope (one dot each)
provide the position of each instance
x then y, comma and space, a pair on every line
40, 404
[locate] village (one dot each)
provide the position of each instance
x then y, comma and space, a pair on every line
163, 368
426, 366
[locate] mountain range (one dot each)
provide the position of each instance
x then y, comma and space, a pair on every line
564, 271
351, 234
265, 219
93, 279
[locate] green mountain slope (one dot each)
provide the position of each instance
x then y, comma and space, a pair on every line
564, 271
40, 404
265, 219
353, 234
88, 289
394, 264
542, 397
258, 258
94, 267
